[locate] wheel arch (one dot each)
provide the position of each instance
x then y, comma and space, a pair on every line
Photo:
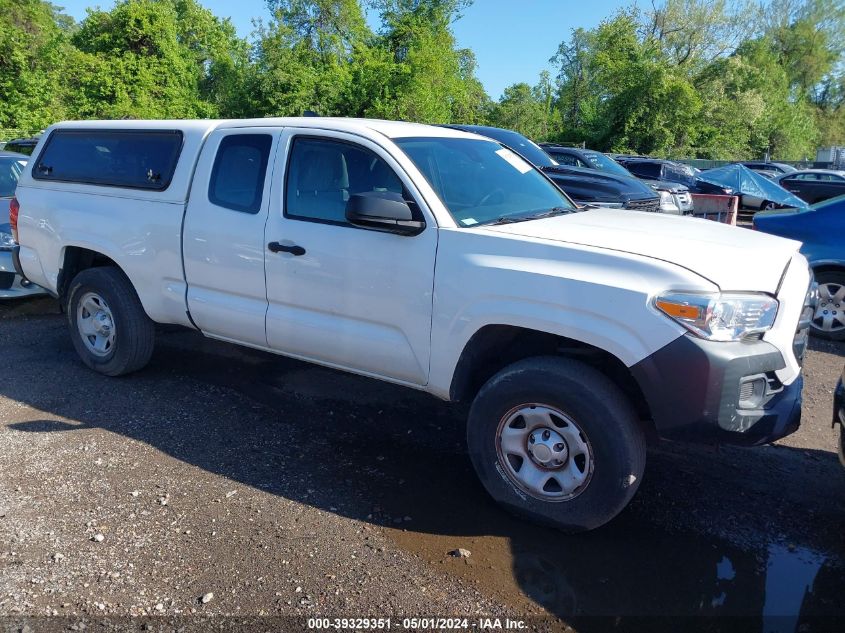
494, 347
828, 267
75, 259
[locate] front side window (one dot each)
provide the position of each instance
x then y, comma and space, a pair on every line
136, 159
481, 181
237, 178
323, 174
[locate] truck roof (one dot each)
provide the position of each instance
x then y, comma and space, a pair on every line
390, 129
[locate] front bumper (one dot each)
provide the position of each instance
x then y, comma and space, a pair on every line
719, 393
12, 284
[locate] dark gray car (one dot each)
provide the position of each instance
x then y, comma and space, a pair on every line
584, 186
676, 199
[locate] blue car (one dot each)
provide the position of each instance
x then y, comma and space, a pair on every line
822, 229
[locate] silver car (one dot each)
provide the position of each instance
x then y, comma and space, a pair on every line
12, 285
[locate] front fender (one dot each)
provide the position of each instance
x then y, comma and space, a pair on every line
594, 296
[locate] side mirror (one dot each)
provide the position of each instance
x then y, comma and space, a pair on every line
382, 211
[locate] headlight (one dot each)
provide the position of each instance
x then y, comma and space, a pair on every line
715, 317
7, 242
667, 202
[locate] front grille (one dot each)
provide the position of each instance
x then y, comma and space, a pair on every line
802, 332
652, 206
746, 390
6, 280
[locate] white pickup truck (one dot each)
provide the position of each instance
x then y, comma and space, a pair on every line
432, 258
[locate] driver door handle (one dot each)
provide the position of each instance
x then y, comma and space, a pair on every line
293, 249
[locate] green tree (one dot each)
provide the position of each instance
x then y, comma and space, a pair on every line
155, 59
528, 109
33, 54
304, 57
431, 80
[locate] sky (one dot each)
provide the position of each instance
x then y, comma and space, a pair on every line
512, 39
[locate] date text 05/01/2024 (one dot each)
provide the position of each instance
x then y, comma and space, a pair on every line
425, 623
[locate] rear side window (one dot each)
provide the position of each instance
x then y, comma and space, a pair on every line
237, 178
135, 159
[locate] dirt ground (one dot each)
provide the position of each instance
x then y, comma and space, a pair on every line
289, 492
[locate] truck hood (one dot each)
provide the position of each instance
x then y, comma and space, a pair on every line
666, 185
732, 258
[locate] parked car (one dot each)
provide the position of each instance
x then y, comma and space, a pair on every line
839, 414
22, 145
759, 165
674, 197
754, 190
435, 259
814, 185
584, 186
12, 285
821, 228
659, 170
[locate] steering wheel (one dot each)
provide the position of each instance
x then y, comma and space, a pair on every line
486, 198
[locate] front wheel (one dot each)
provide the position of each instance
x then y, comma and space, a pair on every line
829, 319
768, 206
108, 326
556, 441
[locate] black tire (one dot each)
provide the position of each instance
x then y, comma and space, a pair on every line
134, 332
606, 419
836, 277
767, 206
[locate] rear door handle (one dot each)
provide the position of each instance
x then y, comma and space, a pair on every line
293, 249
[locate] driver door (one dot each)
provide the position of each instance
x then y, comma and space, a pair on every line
345, 296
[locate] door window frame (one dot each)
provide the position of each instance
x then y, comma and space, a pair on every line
285, 148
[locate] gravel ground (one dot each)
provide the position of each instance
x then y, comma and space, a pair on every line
222, 481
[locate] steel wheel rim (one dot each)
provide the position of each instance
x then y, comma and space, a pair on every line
526, 445
830, 310
95, 323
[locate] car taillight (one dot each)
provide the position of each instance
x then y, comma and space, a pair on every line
14, 209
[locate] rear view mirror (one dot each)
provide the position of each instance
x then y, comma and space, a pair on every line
383, 211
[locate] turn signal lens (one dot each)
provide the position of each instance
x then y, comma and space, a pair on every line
681, 310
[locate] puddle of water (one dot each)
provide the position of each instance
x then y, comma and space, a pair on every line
630, 568
790, 576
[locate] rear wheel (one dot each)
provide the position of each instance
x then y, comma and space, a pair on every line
556, 441
829, 319
108, 326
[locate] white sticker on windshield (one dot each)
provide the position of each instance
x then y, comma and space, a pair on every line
516, 161
469, 221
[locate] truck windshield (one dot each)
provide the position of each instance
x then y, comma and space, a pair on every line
482, 182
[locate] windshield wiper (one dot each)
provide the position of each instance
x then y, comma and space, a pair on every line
549, 213
510, 219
